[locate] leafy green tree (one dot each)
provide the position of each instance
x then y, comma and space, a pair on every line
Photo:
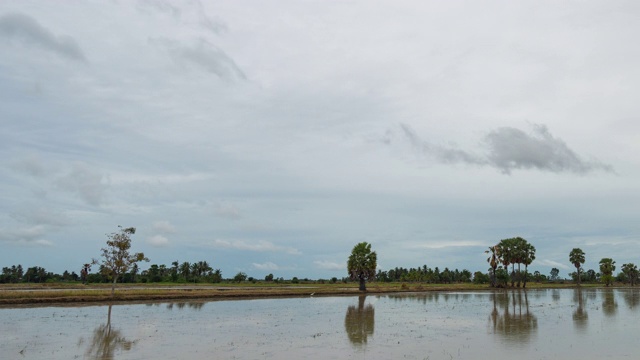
576, 257
480, 278
607, 267
240, 277
116, 256
362, 264
631, 272
268, 277
554, 274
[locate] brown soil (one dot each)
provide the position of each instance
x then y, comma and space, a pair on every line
78, 294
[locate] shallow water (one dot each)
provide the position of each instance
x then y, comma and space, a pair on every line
536, 324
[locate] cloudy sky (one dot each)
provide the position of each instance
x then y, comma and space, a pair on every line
271, 137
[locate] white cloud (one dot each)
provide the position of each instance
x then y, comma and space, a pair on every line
266, 266
551, 263
158, 241
164, 227
446, 244
328, 265
259, 246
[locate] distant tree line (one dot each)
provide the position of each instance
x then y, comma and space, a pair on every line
424, 274
185, 272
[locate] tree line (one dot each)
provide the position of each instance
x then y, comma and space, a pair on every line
119, 265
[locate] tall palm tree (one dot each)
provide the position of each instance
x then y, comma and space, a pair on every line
185, 270
576, 256
493, 262
530, 255
607, 267
362, 264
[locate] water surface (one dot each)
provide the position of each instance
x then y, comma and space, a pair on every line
532, 324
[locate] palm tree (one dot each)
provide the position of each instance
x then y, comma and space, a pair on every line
185, 270
631, 271
505, 254
607, 267
362, 264
530, 255
576, 256
493, 262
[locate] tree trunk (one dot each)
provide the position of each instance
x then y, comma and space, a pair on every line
362, 286
578, 271
113, 286
524, 282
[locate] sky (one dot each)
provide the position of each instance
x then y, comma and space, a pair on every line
272, 137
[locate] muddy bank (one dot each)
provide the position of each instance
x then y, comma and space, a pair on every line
22, 296
52, 294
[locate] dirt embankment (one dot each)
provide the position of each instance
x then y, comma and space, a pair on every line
11, 295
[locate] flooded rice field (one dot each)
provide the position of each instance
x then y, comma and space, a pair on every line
533, 324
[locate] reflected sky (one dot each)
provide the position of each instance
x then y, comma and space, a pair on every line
531, 324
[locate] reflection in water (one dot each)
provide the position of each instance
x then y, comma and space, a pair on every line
191, 305
515, 322
433, 297
632, 298
580, 316
106, 341
359, 322
609, 304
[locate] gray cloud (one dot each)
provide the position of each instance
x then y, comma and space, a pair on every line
203, 55
190, 12
42, 216
31, 235
508, 149
441, 153
511, 149
28, 31
31, 165
85, 182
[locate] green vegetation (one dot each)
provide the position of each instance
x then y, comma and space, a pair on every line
630, 272
362, 264
576, 257
118, 265
507, 252
607, 267
116, 256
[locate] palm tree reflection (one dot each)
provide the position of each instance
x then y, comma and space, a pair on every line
609, 303
632, 298
359, 322
106, 341
515, 323
580, 316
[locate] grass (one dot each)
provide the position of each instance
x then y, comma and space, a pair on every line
12, 294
